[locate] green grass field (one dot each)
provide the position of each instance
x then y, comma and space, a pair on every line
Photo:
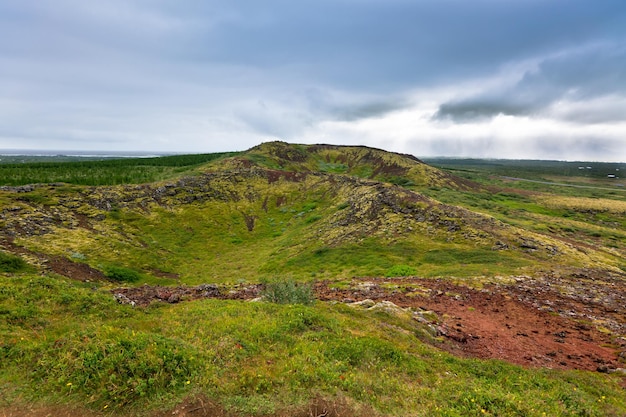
269, 216
103, 172
68, 342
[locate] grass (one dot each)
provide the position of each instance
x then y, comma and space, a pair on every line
104, 172
121, 274
70, 343
401, 271
79, 347
288, 292
598, 220
261, 229
11, 263
533, 169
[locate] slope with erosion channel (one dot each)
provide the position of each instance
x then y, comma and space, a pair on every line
252, 223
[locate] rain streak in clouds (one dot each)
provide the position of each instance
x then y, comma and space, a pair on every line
510, 79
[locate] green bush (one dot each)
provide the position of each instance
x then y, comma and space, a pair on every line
11, 263
312, 219
288, 292
401, 271
121, 274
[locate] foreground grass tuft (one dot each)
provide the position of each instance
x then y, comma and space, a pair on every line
401, 271
121, 274
288, 292
11, 263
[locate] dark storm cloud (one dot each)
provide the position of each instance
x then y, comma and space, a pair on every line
369, 110
369, 45
391, 44
594, 72
345, 107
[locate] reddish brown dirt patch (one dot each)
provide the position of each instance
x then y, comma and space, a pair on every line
533, 323
58, 264
199, 406
74, 270
146, 294
498, 323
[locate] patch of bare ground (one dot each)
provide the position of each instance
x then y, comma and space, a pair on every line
73, 270
58, 264
576, 321
531, 323
146, 294
198, 406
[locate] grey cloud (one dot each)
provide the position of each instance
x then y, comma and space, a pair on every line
582, 147
190, 73
586, 148
373, 45
351, 107
478, 109
578, 76
286, 117
369, 110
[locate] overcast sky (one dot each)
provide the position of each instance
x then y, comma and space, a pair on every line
542, 79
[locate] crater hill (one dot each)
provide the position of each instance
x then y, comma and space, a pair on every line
382, 287
303, 211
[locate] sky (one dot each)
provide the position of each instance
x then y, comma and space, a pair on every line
517, 79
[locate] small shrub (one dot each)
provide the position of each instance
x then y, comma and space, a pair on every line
401, 181
313, 218
78, 255
401, 271
11, 263
121, 274
288, 292
309, 206
321, 251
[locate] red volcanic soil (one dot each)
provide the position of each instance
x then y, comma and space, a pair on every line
501, 322
573, 322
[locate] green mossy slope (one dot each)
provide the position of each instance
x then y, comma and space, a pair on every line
252, 223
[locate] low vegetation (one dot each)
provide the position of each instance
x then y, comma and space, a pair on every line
401, 271
11, 263
288, 292
103, 172
65, 341
285, 216
121, 274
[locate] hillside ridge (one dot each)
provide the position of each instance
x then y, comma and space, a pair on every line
299, 280
300, 219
